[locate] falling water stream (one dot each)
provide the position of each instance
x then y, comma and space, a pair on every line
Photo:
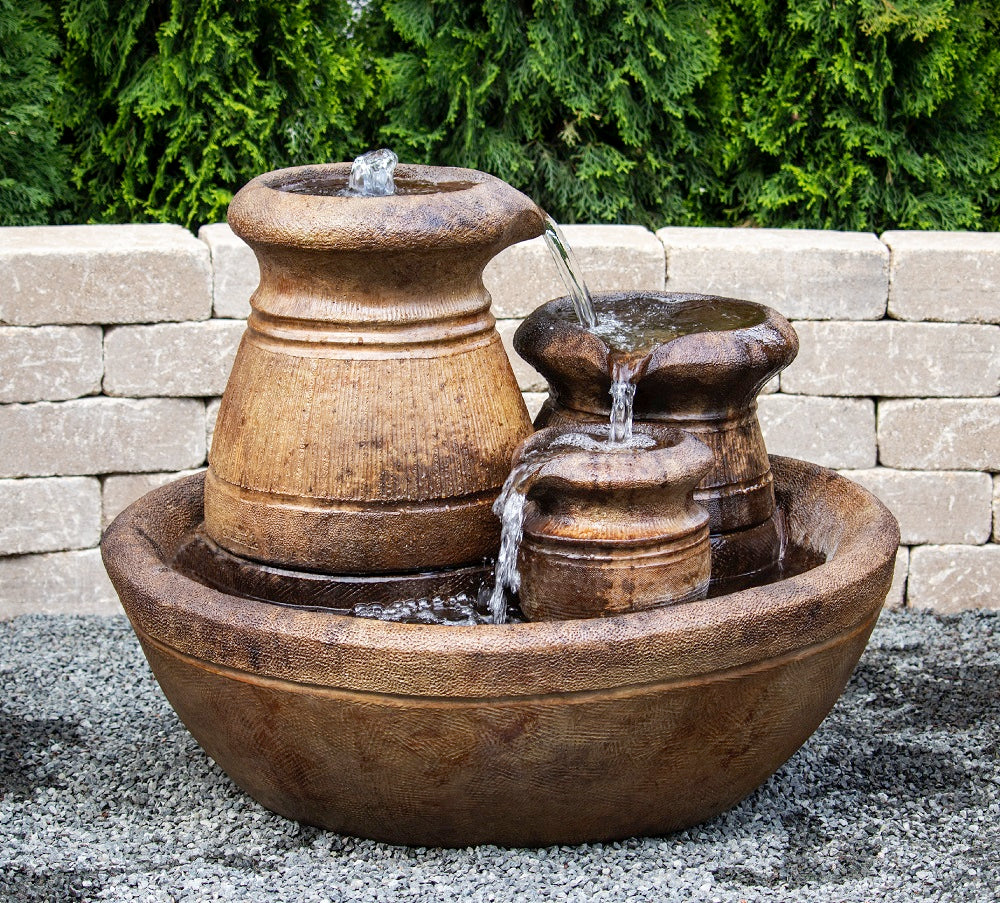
570, 272
509, 507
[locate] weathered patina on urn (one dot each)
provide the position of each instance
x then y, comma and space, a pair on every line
611, 528
699, 362
371, 413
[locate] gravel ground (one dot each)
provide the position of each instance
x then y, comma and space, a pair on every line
104, 796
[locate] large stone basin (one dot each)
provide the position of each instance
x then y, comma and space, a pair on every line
520, 734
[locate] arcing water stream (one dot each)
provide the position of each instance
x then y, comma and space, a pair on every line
570, 272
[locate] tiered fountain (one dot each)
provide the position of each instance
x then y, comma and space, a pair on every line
681, 613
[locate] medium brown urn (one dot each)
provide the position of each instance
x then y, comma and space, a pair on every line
371, 413
699, 363
614, 528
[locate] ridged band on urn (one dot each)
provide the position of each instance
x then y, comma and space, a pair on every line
371, 412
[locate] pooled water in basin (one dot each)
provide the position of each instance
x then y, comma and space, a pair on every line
634, 330
328, 186
466, 610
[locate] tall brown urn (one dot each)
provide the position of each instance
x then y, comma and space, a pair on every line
371, 414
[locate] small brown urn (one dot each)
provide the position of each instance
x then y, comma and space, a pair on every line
699, 362
611, 529
371, 414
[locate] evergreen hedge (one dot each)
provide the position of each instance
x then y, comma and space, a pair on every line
854, 114
863, 114
169, 108
32, 162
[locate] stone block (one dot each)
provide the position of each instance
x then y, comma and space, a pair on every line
56, 583
534, 401
895, 360
528, 378
235, 272
834, 432
896, 598
523, 276
49, 514
806, 274
940, 434
996, 507
948, 276
103, 274
936, 507
49, 363
120, 490
101, 435
173, 359
952, 578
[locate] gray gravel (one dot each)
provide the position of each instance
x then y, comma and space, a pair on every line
104, 796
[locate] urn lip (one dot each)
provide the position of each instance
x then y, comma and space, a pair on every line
439, 207
704, 369
670, 458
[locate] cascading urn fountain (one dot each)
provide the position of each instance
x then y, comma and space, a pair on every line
369, 424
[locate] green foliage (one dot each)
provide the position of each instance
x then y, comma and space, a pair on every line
32, 165
600, 111
172, 106
847, 114
863, 114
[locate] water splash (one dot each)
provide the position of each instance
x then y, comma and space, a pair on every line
509, 507
622, 399
371, 174
569, 270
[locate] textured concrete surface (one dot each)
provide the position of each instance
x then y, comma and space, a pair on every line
103, 274
935, 506
932, 388
940, 434
807, 274
56, 583
101, 435
834, 432
118, 491
49, 363
951, 578
141, 361
946, 276
49, 514
235, 272
895, 359
105, 797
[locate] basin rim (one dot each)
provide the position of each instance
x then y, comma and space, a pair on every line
485, 213
339, 652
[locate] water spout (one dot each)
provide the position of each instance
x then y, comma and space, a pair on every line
371, 174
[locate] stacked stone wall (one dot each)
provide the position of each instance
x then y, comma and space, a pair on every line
116, 342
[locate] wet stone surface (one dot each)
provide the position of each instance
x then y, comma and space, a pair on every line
104, 796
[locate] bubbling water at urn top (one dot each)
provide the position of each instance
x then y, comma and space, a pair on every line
371, 174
